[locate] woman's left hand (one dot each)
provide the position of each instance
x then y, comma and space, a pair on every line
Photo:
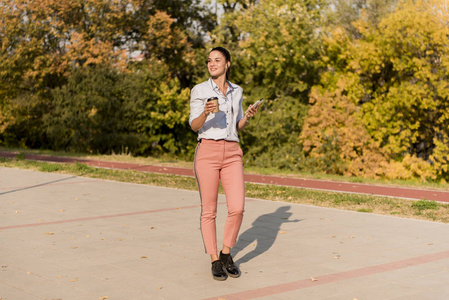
251, 111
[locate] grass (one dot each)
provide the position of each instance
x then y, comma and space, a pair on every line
162, 161
174, 162
423, 210
425, 205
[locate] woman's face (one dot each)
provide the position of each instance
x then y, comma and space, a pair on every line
217, 64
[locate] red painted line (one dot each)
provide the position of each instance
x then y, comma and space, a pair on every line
325, 279
14, 188
357, 188
106, 164
107, 216
100, 217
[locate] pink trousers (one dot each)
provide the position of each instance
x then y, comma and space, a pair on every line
220, 161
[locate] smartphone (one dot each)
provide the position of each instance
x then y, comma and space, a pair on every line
257, 103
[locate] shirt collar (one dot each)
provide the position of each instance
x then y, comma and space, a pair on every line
216, 88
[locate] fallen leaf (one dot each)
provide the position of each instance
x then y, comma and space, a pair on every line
122, 240
282, 232
49, 233
159, 288
337, 257
153, 228
59, 276
103, 298
17, 211
73, 280
253, 245
430, 244
143, 257
62, 210
29, 273
76, 199
313, 279
88, 236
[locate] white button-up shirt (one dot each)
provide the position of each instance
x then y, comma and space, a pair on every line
223, 124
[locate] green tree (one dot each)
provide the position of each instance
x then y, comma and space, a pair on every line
343, 13
410, 87
102, 110
44, 41
161, 112
276, 58
91, 113
334, 138
398, 75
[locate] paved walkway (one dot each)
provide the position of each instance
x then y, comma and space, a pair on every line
67, 237
398, 192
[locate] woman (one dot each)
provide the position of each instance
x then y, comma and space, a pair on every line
218, 157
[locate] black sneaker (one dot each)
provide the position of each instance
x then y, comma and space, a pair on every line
217, 271
229, 265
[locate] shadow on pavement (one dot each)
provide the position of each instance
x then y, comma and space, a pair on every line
37, 185
263, 233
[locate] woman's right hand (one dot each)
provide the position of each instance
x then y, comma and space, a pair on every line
198, 123
208, 108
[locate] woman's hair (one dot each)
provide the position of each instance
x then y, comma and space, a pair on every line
227, 56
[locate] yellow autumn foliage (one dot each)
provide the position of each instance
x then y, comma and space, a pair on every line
383, 98
334, 118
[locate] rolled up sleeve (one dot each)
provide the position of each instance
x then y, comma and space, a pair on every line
196, 104
240, 111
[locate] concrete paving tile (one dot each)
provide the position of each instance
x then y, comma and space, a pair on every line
100, 286
218, 289
434, 280
41, 287
388, 292
347, 290
412, 273
15, 277
54, 291
104, 254
167, 290
433, 295
34, 265
19, 247
8, 292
